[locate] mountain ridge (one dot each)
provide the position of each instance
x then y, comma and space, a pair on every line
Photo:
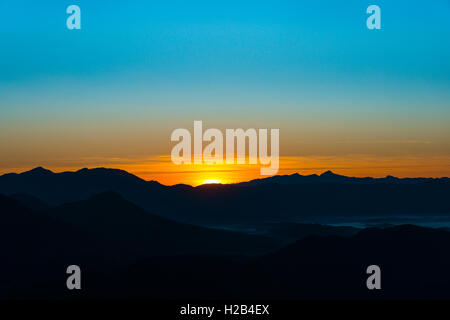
294, 178
279, 198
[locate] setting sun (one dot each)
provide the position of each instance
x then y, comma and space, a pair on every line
211, 181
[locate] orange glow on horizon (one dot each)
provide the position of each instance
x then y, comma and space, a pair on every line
161, 168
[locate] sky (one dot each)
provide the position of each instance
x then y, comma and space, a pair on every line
357, 101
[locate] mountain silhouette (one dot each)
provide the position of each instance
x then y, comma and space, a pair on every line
413, 261
102, 234
112, 218
414, 264
30, 202
129, 235
36, 246
279, 198
331, 177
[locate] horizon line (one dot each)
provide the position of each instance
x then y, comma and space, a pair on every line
329, 172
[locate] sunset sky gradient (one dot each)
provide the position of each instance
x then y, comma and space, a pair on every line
345, 98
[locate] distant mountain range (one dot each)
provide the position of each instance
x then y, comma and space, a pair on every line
137, 239
279, 198
331, 177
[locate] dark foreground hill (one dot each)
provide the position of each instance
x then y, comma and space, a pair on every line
103, 234
414, 264
123, 224
35, 245
280, 198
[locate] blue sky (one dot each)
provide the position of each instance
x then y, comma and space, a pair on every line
226, 37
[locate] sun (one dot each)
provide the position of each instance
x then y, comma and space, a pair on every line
211, 181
